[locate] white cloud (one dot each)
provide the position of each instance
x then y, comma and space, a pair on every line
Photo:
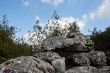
80, 23
37, 18
102, 11
53, 2
25, 2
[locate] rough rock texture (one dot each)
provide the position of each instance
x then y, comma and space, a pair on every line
47, 56
53, 42
79, 43
54, 59
97, 58
73, 53
83, 69
105, 69
27, 64
59, 65
81, 59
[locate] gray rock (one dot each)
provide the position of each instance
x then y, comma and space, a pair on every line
53, 42
97, 58
47, 56
56, 61
71, 35
59, 65
27, 64
83, 69
81, 59
105, 69
78, 43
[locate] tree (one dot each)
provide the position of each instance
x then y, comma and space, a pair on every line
73, 27
101, 39
54, 27
8, 47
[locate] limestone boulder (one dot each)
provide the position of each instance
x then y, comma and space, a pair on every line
59, 65
78, 43
105, 69
27, 64
47, 56
81, 59
83, 69
97, 58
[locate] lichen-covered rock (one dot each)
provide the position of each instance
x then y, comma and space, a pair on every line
53, 42
78, 43
97, 58
81, 59
105, 69
83, 69
27, 64
54, 59
47, 56
59, 65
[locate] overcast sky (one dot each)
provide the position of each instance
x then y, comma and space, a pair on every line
23, 13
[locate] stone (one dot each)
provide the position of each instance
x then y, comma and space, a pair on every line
53, 42
71, 35
59, 65
78, 43
54, 59
47, 56
105, 69
27, 64
83, 69
97, 58
81, 59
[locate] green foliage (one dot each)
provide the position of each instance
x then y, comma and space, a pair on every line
101, 39
73, 27
56, 32
8, 48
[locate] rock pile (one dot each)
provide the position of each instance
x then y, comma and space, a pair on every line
78, 53
71, 54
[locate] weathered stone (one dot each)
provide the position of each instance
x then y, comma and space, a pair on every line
59, 65
71, 35
27, 64
83, 69
97, 58
47, 56
78, 43
81, 59
105, 69
53, 42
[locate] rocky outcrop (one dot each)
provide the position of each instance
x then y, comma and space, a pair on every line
79, 54
73, 53
54, 59
27, 64
79, 43
81, 59
47, 56
83, 69
59, 65
98, 58
104, 69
